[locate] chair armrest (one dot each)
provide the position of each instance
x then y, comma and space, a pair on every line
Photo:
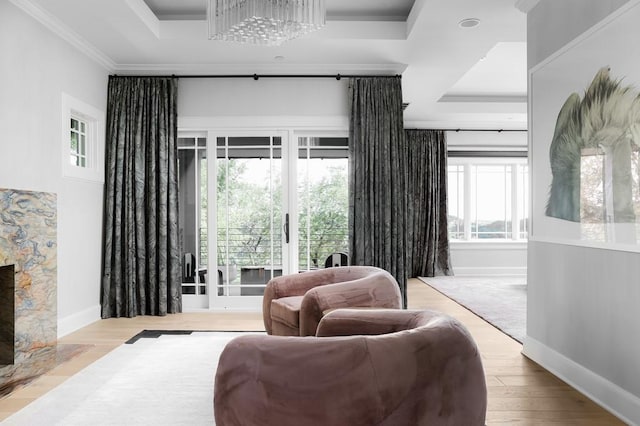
292, 285
378, 290
349, 322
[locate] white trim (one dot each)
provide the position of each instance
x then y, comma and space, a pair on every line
508, 99
525, 6
587, 244
213, 68
73, 322
145, 14
470, 271
485, 244
247, 123
618, 401
195, 303
64, 32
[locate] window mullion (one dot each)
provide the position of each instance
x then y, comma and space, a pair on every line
467, 201
515, 217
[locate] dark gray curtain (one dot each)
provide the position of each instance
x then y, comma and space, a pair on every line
377, 177
428, 236
141, 271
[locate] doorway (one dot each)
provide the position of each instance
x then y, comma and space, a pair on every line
279, 207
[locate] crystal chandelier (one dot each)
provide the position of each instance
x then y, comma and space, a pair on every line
267, 22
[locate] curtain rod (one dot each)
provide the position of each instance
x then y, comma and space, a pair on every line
475, 130
258, 76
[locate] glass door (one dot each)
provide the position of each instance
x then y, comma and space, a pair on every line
322, 202
193, 219
251, 224
260, 208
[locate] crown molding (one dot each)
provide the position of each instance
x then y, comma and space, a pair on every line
247, 69
64, 32
516, 99
525, 6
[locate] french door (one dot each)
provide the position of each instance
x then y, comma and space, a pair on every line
251, 216
268, 203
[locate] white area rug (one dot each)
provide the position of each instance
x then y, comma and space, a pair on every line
501, 301
163, 381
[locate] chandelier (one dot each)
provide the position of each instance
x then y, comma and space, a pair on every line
266, 22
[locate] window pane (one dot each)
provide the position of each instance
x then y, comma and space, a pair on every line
186, 142
455, 196
322, 200
74, 142
491, 201
74, 124
192, 181
82, 127
523, 201
249, 234
82, 145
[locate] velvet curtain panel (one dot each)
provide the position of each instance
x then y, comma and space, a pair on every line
428, 234
141, 270
378, 213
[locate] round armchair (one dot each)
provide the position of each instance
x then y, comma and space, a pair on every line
293, 305
370, 367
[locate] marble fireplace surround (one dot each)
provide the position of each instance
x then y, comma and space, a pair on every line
28, 251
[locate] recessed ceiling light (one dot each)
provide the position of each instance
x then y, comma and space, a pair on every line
469, 23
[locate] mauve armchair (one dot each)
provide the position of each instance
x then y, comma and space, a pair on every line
366, 367
293, 305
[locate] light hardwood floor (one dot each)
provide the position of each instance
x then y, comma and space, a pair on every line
520, 391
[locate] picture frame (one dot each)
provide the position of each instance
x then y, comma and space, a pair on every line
584, 139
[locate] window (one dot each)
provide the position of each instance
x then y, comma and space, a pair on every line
488, 198
78, 142
82, 140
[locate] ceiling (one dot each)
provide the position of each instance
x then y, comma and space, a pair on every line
453, 77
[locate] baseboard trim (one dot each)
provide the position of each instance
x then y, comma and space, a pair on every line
76, 321
492, 271
612, 397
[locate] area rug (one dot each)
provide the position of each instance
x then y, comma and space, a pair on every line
166, 380
501, 301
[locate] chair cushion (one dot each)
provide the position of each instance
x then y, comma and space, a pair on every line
287, 310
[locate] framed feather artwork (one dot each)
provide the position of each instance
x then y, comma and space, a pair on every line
584, 124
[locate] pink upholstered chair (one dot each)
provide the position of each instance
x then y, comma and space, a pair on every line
293, 305
366, 367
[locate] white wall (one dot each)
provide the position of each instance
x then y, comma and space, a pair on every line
244, 102
582, 321
35, 69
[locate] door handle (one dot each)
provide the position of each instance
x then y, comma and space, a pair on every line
286, 228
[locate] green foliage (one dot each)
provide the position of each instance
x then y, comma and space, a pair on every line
248, 212
324, 210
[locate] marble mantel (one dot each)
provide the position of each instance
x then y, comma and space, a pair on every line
28, 243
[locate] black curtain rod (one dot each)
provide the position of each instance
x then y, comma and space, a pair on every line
474, 130
258, 76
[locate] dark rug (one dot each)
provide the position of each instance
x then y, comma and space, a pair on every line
501, 301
